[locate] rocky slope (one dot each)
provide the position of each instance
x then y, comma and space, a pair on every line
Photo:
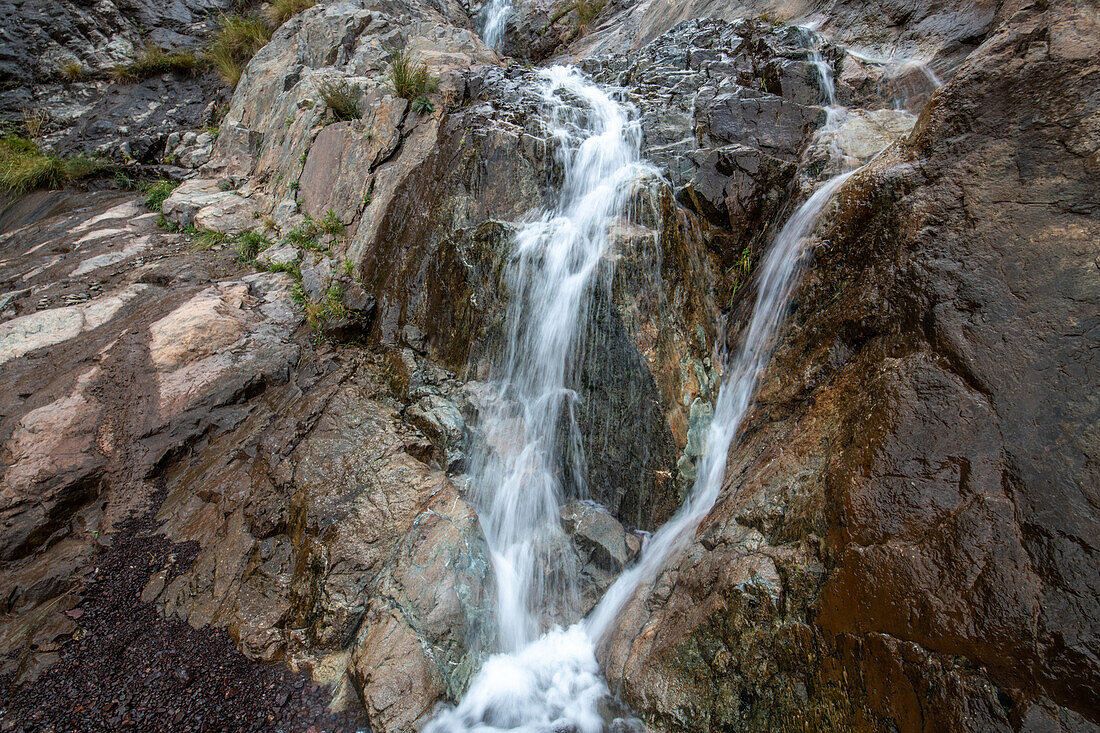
906, 538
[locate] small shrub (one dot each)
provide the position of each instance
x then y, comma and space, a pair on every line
71, 71
24, 167
342, 98
238, 39
330, 224
349, 268
156, 192
280, 11
154, 61
410, 77
421, 105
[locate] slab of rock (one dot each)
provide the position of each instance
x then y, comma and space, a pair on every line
202, 204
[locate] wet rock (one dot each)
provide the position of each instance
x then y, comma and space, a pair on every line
442, 422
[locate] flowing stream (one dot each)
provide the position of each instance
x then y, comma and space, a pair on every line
547, 678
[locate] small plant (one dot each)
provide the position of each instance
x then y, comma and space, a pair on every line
168, 226
291, 268
238, 39
208, 239
34, 120
331, 305
744, 262
249, 245
342, 98
24, 167
71, 71
349, 268
280, 11
124, 181
156, 192
153, 61
307, 235
422, 105
330, 224
295, 185
410, 77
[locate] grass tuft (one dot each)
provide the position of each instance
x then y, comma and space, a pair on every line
249, 245
342, 98
587, 10
409, 76
156, 192
71, 71
24, 167
280, 11
330, 224
238, 39
154, 61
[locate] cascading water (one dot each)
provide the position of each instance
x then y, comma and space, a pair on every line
494, 19
553, 682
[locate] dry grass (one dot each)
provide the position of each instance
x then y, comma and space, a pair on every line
238, 39
280, 11
71, 71
342, 98
34, 120
587, 10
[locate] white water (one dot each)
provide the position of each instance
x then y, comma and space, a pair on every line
494, 17
550, 275
553, 682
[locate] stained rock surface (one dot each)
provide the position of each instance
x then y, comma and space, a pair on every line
906, 536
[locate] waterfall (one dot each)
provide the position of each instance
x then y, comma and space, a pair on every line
553, 682
494, 19
516, 476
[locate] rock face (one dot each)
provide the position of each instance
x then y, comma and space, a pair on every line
906, 537
899, 532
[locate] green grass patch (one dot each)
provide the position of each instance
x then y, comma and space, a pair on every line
25, 167
330, 224
156, 192
154, 61
249, 245
409, 75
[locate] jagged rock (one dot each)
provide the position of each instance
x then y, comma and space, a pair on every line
283, 254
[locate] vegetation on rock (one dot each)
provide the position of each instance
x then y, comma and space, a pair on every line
409, 75
280, 11
238, 39
153, 60
342, 98
25, 167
